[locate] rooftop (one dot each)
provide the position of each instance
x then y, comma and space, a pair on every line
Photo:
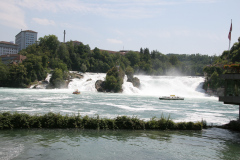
12, 58
8, 43
76, 42
26, 31
29, 31
108, 51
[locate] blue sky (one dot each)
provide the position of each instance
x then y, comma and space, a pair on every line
169, 26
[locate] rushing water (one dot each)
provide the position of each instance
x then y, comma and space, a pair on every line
144, 103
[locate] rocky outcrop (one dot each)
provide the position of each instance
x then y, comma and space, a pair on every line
99, 85
40, 85
61, 85
135, 81
113, 81
75, 75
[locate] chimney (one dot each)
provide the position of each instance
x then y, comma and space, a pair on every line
64, 36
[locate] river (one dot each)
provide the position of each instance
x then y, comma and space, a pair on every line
211, 143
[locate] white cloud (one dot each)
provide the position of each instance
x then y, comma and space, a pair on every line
145, 34
10, 11
114, 41
201, 1
44, 22
56, 5
88, 30
11, 15
105, 8
40, 5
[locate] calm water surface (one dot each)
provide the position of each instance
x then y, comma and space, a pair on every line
91, 144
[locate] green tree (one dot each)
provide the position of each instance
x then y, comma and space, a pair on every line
214, 83
4, 74
83, 68
57, 78
96, 53
146, 55
49, 43
111, 83
133, 57
129, 72
56, 63
114, 79
35, 70
173, 60
17, 76
63, 55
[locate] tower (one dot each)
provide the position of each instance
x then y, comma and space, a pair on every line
25, 38
64, 36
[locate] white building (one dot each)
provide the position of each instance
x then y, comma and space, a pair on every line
7, 48
25, 38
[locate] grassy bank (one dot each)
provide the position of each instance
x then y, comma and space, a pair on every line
52, 120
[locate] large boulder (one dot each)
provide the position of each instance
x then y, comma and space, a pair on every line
136, 82
100, 86
59, 84
129, 77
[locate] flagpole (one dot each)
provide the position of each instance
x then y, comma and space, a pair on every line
229, 37
229, 50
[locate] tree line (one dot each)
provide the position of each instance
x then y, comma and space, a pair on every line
50, 55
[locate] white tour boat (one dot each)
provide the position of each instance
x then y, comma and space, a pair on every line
171, 97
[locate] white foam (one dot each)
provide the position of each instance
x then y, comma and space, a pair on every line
216, 118
48, 77
188, 87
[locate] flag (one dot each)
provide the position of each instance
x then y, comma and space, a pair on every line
229, 34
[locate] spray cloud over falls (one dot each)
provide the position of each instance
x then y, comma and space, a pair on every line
150, 85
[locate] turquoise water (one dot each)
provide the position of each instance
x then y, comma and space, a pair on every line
111, 105
107, 145
34, 144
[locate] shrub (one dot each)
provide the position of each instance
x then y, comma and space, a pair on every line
171, 125
53, 120
181, 126
5, 120
124, 122
204, 123
198, 126
152, 124
190, 126
20, 120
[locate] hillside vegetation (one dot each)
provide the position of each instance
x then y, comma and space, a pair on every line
228, 59
49, 55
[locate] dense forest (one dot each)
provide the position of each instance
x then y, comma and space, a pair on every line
50, 55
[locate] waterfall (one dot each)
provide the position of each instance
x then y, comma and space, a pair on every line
87, 83
42, 84
150, 85
172, 85
48, 77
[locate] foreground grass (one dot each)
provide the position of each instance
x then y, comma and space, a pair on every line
52, 120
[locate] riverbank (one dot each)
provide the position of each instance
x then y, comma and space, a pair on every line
232, 125
55, 120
